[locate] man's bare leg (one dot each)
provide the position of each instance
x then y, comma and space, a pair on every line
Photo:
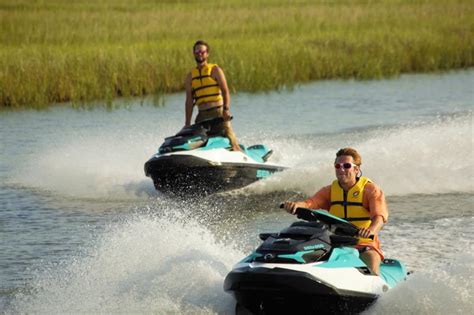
372, 259
229, 132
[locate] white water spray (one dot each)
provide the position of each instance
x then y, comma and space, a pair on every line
415, 159
146, 264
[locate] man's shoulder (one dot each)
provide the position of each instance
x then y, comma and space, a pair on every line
215, 68
324, 191
327, 187
372, 189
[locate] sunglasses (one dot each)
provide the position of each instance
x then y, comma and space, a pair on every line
200, 52
344, 165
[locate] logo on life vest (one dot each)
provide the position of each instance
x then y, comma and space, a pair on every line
356, 193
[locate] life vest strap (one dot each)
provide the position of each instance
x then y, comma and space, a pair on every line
204, 87
346, 203
357, 219
201, 77
207, 95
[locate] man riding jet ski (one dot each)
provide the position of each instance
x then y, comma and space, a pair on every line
310, 267
198, 161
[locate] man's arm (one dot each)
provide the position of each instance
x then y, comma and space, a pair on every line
378, 210
189, 100
374, 227
218, 75
320, 200
291, 206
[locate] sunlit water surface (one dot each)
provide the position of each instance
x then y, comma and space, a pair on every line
82, 229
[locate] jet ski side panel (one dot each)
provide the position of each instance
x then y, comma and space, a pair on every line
190, 174
270, 287
393, 272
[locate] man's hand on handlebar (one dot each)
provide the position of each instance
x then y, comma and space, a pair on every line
291, 206
365, 233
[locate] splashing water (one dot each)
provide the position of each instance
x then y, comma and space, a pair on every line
433, 291
415, 159
144, 264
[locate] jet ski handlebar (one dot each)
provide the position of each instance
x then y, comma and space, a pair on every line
343, 226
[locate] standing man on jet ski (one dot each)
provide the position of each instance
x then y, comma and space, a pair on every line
356, 199
207, 88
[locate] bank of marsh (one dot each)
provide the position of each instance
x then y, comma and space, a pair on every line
56, 51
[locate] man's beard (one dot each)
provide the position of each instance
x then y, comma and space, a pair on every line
199, 59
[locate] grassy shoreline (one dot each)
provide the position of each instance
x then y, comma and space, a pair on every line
54, 51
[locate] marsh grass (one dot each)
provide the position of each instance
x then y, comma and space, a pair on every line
56, 51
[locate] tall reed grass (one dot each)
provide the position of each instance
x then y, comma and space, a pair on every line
80, 51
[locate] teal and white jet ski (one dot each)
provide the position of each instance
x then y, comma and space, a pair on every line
197, 162
310, 267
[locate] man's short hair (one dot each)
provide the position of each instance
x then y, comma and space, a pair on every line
203, 43
351, 152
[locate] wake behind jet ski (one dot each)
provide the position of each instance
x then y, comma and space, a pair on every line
196, 162
310, 267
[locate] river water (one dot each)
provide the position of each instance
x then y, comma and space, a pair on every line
82, 230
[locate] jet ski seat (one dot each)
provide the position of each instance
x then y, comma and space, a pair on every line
306, 230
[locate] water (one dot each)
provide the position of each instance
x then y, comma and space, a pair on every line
82, 230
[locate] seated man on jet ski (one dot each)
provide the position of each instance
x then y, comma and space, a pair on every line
356, 199
207, 88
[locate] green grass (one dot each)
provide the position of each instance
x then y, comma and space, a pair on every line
56, 51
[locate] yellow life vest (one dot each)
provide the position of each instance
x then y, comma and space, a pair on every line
205, 88
348, 206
